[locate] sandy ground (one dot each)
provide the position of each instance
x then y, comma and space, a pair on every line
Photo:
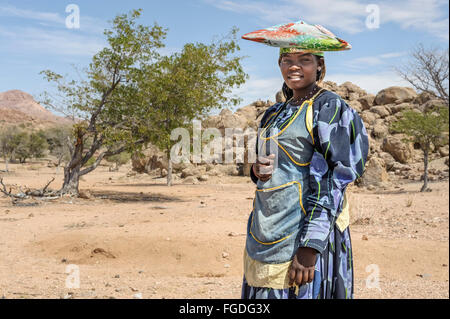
137, 237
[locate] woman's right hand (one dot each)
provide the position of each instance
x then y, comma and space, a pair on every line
263, 168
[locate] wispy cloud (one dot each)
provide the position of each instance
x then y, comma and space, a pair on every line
374, 60
46, 32
257, 88
347, 15
11, 11
88, 24
52, 42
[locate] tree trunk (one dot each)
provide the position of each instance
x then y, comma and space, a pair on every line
71, 181
73, 168
425, 171
6, 164
169, 173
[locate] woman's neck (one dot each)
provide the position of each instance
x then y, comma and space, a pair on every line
301, 93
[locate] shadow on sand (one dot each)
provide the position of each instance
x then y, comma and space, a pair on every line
127, 197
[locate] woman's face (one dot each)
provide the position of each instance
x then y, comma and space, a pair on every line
299, 70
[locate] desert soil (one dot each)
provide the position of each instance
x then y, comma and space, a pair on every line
137, 237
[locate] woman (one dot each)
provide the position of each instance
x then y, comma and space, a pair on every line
298, 241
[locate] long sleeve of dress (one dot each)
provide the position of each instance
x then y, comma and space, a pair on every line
341, 148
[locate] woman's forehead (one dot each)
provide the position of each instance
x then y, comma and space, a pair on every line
296, 54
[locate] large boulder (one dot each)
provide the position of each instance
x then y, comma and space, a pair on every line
226, 119
366, 101
350, 88
150, 159
401, 151
375, 173
381, 110
369, 118
429, 105
395, 94
330, 86
396, 108
356, 105
250, 113
380, 130
279, 97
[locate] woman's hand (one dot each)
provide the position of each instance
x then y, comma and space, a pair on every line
301, 270
263, 168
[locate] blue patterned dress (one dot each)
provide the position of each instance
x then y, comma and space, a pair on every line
340, 154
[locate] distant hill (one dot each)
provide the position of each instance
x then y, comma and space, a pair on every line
17, 107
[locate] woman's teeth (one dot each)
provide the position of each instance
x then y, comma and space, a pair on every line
295, 77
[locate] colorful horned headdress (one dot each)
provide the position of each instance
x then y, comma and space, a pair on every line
299, 37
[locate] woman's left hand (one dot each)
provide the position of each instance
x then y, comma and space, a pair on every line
301, 270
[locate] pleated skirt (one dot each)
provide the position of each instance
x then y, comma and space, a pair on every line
333, 275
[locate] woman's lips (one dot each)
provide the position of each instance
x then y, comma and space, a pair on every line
295, 77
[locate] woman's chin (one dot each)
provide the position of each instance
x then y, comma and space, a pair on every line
297, 85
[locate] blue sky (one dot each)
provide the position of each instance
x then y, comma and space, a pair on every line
34, 37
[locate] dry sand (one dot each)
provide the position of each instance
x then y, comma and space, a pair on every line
137, 236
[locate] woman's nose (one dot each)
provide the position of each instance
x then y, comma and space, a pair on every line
295, 67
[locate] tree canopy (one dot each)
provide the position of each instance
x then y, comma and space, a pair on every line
132, 95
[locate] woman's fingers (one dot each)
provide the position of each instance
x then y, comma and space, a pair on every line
266, 160
302, 276
291, 276
299, 277
264, 167
265, 170
311, 274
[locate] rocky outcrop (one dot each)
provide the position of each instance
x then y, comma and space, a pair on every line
390, 158
395, 94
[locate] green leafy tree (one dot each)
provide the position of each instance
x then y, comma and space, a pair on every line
426, 129
7, 144
102, 103
18, 141
189, 84
132, 96
58, 139
37, 144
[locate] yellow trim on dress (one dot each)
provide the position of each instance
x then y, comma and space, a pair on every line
284, 129
290, 157
258, 274
343, 220
309, 121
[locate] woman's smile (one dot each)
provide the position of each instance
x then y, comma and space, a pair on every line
295, 77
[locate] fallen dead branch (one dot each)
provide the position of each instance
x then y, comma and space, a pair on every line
42, 194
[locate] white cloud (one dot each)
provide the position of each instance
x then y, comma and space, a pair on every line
50, 35
259, 89
11, 11
375, 60
59, 42
51, 19
348, 15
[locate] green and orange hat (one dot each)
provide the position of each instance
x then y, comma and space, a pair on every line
299, 37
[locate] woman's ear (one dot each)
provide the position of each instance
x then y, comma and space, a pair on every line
320, 64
